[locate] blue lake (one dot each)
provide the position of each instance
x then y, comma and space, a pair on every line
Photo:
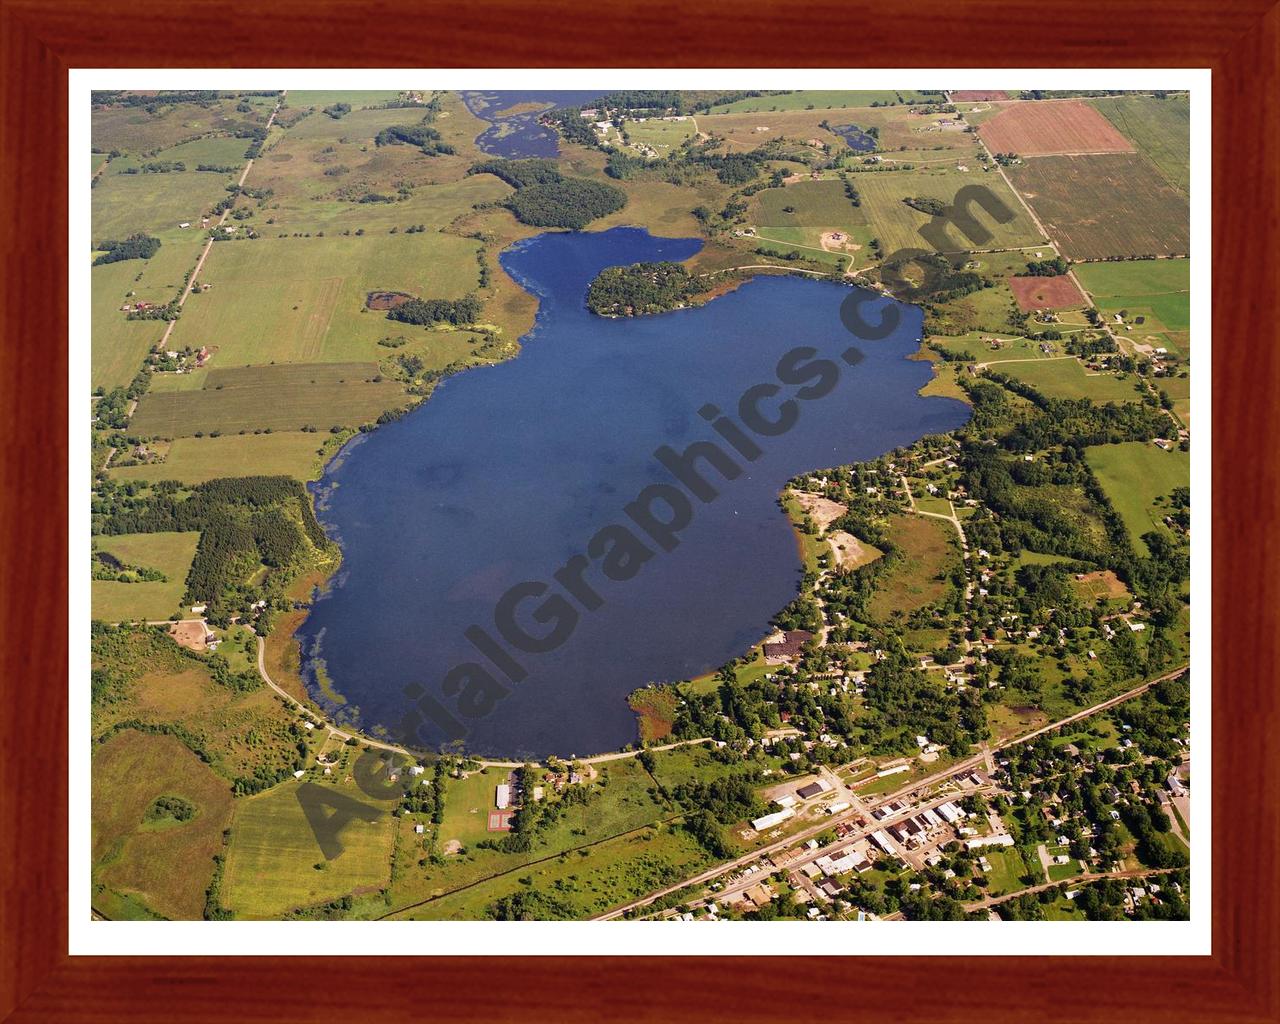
510, 470
520, 135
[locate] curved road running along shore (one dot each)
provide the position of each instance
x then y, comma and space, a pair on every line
910, 790
343, 734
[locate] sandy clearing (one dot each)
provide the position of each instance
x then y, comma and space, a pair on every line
823, 511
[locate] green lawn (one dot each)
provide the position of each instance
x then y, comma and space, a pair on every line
272, 859
898, 225
1136, 474
467, 805
1007, 868
1067, 378
193, 460
171, 553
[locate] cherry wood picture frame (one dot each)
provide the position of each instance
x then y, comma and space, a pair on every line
41, 39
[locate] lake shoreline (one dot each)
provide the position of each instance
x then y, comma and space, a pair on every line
550, 305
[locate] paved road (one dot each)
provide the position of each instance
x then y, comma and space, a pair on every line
1095, 876
911, 790
162, 344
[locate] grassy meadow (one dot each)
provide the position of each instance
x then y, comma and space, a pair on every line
303, 299
275, 864
898, 225
1160, 128
801, 99
193, 460
930, 548
171, 553
138, 857
1066, 377
1135, 476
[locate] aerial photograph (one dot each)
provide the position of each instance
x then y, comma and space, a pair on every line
690, 506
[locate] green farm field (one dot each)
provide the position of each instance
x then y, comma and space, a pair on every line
193, 460
1135, 475
171, 553
1115, 204
138, 858
118, 346
303, 299
1156, 289
826, 99
357, 99
273, 855
586, 882
618, 806
930, 549
898, 225
1160, 128
1179, 390
134, 130
123, 204
821, 205
216, 150
1067, 378
283, 405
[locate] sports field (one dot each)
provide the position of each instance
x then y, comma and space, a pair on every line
1135, 475
171, 553
274, 862
825, 98
1160, 128
1051, 127
303, 299
898, 225
1066, 377
168, 864
193, 460
1111, 205
284, 406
